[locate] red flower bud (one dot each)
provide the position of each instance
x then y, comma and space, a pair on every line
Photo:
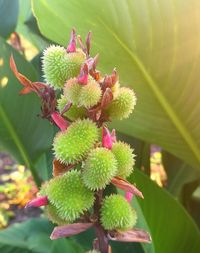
60, 121
40, 201
83, 77
106, 138
72, 44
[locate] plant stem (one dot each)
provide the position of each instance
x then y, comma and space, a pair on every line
99, 230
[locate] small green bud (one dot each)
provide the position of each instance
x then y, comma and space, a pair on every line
99, 168
73, 145
125, 158
74, 112
59, 66
116, 213
123, 105
69, 195
72, 91
90, 94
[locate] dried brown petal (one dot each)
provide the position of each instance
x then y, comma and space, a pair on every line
88, 42
82, 46
60, 168
23, 80
66, 108
69, 230
15, 41
133, 235
29, 86
114, 76
83, 77
123, 184
107, 98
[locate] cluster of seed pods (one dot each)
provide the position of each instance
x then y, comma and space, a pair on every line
91, 165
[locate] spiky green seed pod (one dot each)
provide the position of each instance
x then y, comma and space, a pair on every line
125, 158
72, 91
74, 62
73, 145
59, 66
90, 94
122, 106
99, 168
50, 210
116, 213
74, 112
53, 215
69, 195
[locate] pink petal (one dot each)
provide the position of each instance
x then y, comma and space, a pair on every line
83, 77
106, 138
92, 62
72, 44
40, 201
107, 98
113, 136
129, 196
60, 121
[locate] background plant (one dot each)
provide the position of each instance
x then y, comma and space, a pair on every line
156, 49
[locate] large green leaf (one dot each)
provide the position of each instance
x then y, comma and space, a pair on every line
155, 46
9, 14
27, 26
179, 174
33, 237
22, 133
171, 228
